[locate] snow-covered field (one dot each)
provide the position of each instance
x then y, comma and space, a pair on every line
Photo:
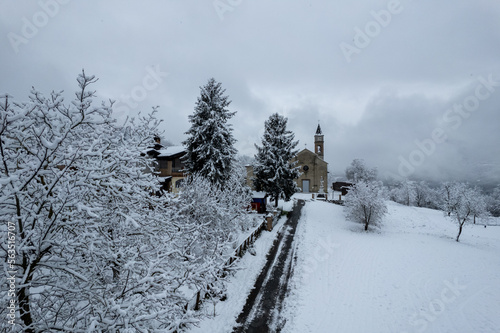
407, 276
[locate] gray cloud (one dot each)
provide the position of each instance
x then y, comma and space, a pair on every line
281, 56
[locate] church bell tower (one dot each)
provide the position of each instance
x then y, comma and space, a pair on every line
319, 143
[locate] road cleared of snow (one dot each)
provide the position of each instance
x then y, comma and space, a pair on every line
222, 315
407, 276
261, 312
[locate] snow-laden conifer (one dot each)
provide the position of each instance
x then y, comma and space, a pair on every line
274, 171
209, 147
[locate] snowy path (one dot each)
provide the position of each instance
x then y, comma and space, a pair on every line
410, 276
261, 312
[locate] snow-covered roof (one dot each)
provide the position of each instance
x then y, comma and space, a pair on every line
307, 151
170, 151
258, 195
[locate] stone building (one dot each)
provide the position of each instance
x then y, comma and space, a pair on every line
313, 168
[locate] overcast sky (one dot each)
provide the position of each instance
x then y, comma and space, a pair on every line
411, 87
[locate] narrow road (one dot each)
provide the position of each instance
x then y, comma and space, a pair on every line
261, 312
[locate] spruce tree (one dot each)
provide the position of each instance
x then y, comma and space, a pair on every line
274, 172
210, 152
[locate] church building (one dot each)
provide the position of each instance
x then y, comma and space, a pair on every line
313, 168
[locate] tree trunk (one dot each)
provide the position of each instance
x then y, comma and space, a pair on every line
368, 217
23, 296
25, 310
460, 225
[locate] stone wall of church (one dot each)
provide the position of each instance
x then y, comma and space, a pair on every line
317, 168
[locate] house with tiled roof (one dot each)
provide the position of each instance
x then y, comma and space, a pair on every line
170, 165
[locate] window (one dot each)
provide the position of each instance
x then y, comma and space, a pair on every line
163, 164
177, 165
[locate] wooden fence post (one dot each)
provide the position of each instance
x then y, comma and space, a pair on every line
197, 305
269, 220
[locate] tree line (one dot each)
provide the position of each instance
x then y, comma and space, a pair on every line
365, 202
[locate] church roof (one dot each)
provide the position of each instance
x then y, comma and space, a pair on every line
318, 130
306, 151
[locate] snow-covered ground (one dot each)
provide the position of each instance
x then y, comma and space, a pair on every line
407, 276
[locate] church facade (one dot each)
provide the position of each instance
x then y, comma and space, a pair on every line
312, 166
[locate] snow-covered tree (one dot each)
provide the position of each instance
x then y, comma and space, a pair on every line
358, 171
219, 212
426, 196
493, 202
209, 219
463, 204
364, 203
94, 249
209, 146
274, 172
404, 193
421, 193
450, 196
244, 160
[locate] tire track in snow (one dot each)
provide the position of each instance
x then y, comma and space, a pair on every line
263, 305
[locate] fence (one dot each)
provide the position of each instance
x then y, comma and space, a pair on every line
267, 224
